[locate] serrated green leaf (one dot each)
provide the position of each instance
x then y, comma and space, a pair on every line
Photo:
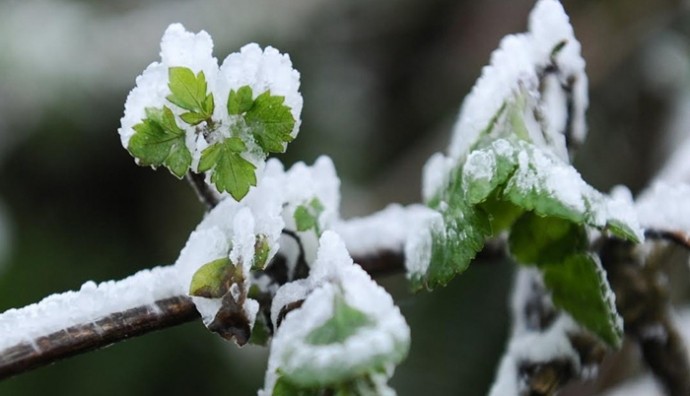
270, 121
157, 141
579, 286
453, 249
211, 279
240, 101
542, 240
189, 91
231, 172
345, 322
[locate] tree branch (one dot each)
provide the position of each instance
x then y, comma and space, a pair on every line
82, 338
119, 326
203, 191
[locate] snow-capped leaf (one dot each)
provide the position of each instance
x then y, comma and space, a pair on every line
346, 327
261, 250
159, 141
240, 101
579, 286
189, 91
213, 279
542, 240
270, 122
307, 216
345, 322
453, 248
231, 172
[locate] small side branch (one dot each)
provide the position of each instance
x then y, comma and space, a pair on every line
203, 191
82, 338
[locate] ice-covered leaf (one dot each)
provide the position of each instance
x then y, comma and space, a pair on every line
188, 91
159, 141
345, 322
541, 240
213, 279
579, 286
455, 245
231, 172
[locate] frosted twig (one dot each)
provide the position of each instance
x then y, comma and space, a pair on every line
677, 237
112, 327
86, 337
642, 299
547, 349
203, 191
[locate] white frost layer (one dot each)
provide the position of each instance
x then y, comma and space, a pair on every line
395, 229
515, 66
230, 229
665, 207
87, 305
262, 70
333, 273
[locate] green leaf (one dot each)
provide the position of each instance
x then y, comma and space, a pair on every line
270, 121
260, 332
542, 240
187, 90
261, 251
345, 322
453, 249
231, 172
578, 285
193, 118
240, 101
211, 280
284, 387
304, 219
157, 141
307, 216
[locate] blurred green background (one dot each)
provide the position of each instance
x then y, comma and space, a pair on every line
382, 83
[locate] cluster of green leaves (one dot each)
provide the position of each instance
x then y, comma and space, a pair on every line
307, 216
504, 184
265, 121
